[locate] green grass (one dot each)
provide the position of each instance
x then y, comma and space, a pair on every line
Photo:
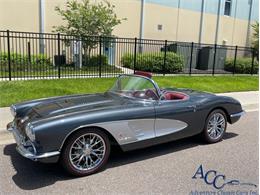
17, 91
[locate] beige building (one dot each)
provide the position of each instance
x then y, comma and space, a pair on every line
206, 21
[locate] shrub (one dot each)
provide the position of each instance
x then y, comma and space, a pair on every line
21, 62
243, 65
94, 60
154, 62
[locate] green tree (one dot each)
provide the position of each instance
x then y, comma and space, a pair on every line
255, 41
85, 21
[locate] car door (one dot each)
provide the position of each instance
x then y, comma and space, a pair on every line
175, 117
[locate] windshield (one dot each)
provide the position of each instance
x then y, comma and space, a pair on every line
135, 86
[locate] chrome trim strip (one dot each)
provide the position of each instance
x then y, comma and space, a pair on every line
239, 114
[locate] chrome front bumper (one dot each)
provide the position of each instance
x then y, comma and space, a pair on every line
26, 148
239, 114
236, 116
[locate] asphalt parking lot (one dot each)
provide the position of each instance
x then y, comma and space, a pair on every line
163, 169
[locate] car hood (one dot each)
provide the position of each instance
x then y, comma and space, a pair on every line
70, 104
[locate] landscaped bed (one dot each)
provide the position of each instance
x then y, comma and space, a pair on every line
17, 91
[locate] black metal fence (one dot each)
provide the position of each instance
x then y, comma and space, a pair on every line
26, 55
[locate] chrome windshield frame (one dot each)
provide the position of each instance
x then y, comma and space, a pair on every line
158, 91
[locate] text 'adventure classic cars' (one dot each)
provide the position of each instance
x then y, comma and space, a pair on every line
78, 130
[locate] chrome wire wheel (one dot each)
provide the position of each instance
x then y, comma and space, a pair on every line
216, 125
87, 152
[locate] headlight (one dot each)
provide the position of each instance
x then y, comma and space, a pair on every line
29, 132
13, 110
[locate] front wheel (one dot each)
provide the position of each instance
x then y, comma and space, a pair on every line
86, 152
215, 126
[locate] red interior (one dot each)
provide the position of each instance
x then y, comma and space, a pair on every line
142, 73
175, 96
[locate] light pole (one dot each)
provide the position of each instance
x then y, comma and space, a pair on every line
41, 25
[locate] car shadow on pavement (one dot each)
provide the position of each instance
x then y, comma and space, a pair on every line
33, 175
120, 158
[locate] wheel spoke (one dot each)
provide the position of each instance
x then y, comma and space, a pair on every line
79, 160
91, 160
76, 156
77, 148
98, 150
86, 162
92, 140
209, 130
82, 142
95, 143
97, 155
212, 132
215, 118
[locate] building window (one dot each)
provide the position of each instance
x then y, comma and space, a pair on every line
227, 11
159, 27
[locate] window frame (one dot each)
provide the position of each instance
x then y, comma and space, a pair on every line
228, 13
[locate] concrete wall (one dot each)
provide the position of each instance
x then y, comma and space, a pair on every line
180, 19
19, 15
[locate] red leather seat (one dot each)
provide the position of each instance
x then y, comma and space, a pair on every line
175, 96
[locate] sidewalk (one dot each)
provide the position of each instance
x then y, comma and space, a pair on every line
249, 101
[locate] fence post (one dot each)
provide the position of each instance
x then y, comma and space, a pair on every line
191, 56
29, 52
59, 56
135, 54
235, 61
9, 55
253, 60
214, 59
100, 52
164, 59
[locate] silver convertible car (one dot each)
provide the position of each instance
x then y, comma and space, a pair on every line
78, 130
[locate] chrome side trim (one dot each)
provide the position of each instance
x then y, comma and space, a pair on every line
239, 114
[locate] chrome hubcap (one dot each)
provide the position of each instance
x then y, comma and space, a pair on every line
87, 151
216, 125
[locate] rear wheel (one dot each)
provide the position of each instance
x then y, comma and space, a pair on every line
215, 126
86, 152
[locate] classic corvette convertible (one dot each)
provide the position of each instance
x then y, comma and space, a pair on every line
78, 130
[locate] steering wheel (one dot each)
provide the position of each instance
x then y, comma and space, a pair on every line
140, 94
151, 94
